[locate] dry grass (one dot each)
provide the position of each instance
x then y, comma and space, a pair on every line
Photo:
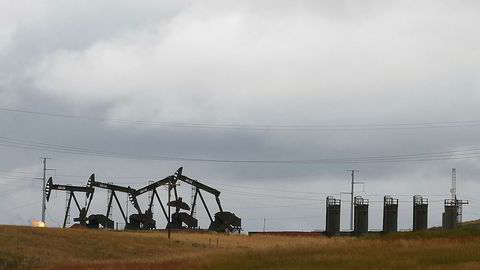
40, 248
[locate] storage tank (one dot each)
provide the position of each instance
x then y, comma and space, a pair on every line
390, 214
449, 216
452, 215
360, 215
333, 216
420, 213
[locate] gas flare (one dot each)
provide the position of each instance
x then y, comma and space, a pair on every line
39, 224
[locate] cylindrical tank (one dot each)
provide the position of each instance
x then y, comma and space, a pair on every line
333, 216
360, 215
420, 213
390, 214
449, 216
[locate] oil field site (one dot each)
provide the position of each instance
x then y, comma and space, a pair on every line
239, 134
95, 241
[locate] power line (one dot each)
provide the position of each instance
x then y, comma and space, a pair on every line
258, 192
297, 217
428, 156
248, 187
319, 127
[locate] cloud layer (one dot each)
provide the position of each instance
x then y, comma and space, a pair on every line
218, 62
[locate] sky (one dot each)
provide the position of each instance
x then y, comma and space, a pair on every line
270, 102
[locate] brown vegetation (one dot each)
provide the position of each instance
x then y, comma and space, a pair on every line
42, 248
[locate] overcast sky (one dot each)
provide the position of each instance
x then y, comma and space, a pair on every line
299, 91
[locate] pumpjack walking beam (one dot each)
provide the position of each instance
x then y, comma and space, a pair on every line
71, 189
113, 188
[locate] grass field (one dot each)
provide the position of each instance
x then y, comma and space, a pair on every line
48, 248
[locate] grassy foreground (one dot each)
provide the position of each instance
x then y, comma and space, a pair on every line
42, 248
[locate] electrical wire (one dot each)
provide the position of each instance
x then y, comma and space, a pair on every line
320, 127
427, 156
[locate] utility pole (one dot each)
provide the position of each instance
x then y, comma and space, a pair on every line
169, 196
44, 178
44, 199
352, 196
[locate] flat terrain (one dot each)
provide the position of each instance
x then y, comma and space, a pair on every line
46, 248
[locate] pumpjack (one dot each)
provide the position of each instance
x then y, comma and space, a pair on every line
145, 220
82, 218
224, 221
114, 188
182, 217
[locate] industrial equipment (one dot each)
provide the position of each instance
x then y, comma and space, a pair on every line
333, 216
113, 189
450, 215
224, 221
82, 218
420, 213
360, 215
145, 220
390, 214
182, 217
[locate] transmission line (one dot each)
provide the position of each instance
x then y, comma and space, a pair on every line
319, 127
428, 156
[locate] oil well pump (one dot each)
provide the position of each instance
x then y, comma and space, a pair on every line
145, 220
183, 216
113, 189
224, 221
82, 218
221, 222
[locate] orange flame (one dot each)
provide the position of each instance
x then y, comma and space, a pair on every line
36, 223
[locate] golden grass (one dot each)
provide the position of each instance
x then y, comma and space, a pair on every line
43, 248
